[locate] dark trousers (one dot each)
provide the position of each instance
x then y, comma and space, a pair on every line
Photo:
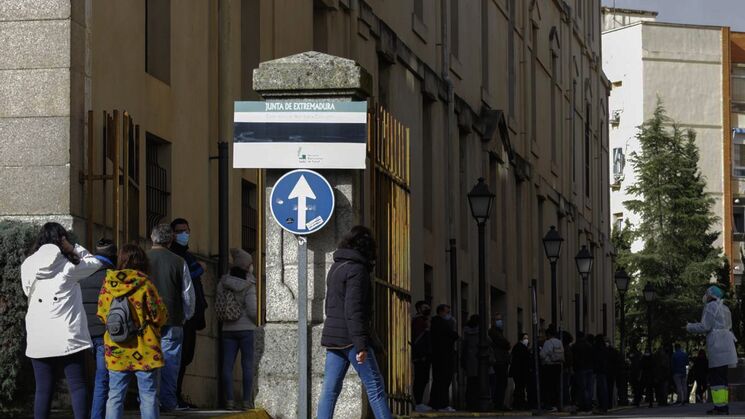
45, 374
187, 354
473, 393
701, 386
442, 375
638, 390
601, 382
498, 386
662, 389
519, 400
421, 378
584, 389
550, 384
232, 342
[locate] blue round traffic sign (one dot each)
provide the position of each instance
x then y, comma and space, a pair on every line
302, 201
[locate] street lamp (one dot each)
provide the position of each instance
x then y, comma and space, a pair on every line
584, 266
480, 200
649, 296
622, 284
552, 245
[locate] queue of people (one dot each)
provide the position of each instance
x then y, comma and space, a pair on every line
135, 312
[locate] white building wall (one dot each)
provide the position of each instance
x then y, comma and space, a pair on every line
682, 65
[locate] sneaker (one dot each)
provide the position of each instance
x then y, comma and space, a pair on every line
447, 409
181, 407
422, 408
248, 405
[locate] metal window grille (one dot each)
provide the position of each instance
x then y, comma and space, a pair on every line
158, 194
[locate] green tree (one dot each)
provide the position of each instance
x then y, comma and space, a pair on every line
678, 256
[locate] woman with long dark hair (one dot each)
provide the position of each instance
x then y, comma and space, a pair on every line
56, 325
138, 354
346, 330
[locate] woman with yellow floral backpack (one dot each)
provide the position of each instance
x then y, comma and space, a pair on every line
133, 312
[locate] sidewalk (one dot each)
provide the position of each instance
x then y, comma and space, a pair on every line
188, 414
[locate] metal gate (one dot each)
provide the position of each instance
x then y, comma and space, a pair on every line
388, 152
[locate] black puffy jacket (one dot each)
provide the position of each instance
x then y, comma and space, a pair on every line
348, 302
91, 288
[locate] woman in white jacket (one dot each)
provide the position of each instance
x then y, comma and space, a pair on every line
56, 326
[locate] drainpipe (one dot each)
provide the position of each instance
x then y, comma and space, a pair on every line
448, 130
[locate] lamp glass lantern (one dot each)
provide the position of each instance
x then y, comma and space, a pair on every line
480, 199
650, 294
622, 280
584, 261
552, 244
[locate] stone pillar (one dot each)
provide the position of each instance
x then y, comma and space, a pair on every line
44, 79
305, 76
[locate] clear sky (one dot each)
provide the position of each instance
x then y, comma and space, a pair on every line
702, 12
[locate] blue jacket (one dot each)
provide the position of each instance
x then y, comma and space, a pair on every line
680, 362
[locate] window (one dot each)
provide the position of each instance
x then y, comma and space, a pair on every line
250, 33
617, 221
533, 90
485, 45
428, 276
419, 9
738, 83
588, 153
465, 218
454, 28
427, 161
494, 186
158, 161
158, 39
539, 251
520, 321
738, 218
574, 133
738, 153
554, 107
511, 58
463, 304
248, 216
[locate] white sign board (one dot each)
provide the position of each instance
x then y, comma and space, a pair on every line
317, 134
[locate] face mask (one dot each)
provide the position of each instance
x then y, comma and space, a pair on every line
705, 298
525, 342
499, 324
448, 317
251, 269
182, 238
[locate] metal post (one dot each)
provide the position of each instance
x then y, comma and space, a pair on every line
536, 363
582, 306
561, 371
553, 293
649, 327
577, 327
302, 326
624, 384
223, 207
455, 308
485, 393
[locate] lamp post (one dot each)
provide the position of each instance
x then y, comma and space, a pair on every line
649, 296
622, 284
584, 266
480, 200
552, 245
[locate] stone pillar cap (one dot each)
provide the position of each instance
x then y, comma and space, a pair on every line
312, 74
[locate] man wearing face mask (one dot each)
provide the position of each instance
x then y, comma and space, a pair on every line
520, 371
180, 246
716, 324
501, 348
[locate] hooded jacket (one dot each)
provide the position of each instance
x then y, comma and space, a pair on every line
142, 353
470, 351
348, 302
716, 324
245, 288
55, 321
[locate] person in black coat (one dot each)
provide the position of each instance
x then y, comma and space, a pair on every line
600, 368
180, 246
443, 337
347, 335
90, 288
520, 368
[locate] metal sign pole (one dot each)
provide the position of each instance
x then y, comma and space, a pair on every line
302, 326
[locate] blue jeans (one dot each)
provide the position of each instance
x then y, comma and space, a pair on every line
73, 366
148, 391
231, 342
601, 384
337, 364
101, 385
171, 341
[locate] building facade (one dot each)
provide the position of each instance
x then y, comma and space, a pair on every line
508, 90
694, 70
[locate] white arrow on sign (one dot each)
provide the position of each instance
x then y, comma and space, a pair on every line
301, 191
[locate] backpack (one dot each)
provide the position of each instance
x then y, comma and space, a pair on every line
227, 306
119, 321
